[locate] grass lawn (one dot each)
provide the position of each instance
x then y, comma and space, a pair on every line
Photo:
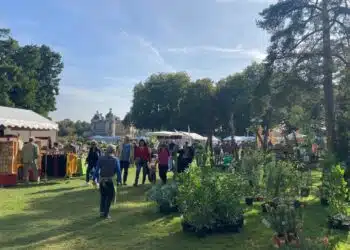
64, 215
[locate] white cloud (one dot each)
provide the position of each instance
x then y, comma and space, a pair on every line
154, 54
250, 53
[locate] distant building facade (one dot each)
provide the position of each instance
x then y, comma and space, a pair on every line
110, 125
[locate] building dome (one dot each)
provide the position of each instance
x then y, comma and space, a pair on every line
110, 115
96, 116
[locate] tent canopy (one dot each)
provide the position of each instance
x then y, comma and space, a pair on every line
24, 119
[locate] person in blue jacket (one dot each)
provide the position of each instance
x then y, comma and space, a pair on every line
108, 166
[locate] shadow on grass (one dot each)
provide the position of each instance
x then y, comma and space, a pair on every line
57, 190
53, 219
32, 185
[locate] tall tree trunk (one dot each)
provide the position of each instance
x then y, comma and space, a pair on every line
328, 78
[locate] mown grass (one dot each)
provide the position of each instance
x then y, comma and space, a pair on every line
64, 215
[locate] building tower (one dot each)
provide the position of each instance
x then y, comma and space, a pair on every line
110, 123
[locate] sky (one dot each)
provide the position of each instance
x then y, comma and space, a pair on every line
108, 46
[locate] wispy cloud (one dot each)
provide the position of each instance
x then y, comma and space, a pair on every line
251, 53
155, 54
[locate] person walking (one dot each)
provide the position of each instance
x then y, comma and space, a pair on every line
142, 158
163, 162
108, 166
30, 154
94, 154
126, 157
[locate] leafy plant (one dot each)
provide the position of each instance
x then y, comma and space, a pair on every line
337, 191
209, 198
164, 195
285, 219
281, 180
252, 170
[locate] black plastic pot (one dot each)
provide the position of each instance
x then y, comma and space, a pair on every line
334, 223
249, 201
297, 204
324, 202
167, 209
220, 227
264, 207
305, 192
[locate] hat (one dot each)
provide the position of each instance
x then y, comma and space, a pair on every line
32, 138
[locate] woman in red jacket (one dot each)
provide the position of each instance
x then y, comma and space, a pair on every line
142, 158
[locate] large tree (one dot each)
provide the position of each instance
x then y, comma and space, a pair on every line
310, 30
29, 75
156, 101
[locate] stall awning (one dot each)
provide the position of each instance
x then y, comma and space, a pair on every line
24, 119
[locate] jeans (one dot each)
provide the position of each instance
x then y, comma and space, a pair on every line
163, 169
145, 172
88, 172
107, 195
124, 167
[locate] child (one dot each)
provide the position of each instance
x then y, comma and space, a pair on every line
153, 168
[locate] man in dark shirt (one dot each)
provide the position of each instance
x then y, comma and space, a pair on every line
108, 166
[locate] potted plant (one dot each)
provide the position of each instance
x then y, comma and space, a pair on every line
286, 221
209, 201
164, 196
252, 170
281, 180
306, 180
339, 217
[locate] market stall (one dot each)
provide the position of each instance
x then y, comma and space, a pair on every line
16, 126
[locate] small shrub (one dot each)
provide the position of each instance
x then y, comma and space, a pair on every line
210, 199
285, 219
281, 180
164, 196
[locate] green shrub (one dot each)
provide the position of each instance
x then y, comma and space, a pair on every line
337, 191
281, 180
252, 171
164, 195
285, 218
209, 198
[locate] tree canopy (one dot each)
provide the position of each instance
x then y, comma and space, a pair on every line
29, 75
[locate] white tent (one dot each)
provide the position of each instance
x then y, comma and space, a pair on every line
194, 136
164, 134
26, 123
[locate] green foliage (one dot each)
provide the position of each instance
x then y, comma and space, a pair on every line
70, 128
29, 75
252, 170
164, 195
337, 191
208, 198
281, 180
284, 218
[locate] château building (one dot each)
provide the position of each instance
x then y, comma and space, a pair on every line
110, 125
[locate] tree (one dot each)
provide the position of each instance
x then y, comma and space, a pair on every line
29, 75
198, 106
156, 101
310, 30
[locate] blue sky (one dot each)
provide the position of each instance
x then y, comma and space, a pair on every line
110, 45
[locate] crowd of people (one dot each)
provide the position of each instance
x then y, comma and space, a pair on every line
103, 167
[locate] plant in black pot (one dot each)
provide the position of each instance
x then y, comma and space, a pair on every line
286, 221
281, 180
306, 183
252, 171
339, 216
210, 201
164, 196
